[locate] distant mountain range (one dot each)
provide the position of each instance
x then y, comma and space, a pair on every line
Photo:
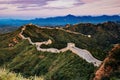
59, 20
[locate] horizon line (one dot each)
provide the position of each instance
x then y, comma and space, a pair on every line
31, 18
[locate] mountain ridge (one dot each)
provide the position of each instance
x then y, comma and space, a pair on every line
70, 46
20, 56
59, 20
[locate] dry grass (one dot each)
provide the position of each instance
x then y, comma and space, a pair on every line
6, 75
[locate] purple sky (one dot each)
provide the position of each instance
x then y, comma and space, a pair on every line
46, 8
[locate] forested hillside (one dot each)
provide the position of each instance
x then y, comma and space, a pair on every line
19, 56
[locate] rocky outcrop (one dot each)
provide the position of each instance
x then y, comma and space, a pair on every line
10, 45
13, 42
109, 65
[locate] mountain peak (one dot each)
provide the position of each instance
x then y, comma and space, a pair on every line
70, 15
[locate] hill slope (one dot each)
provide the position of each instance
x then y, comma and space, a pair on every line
20, 56
105, 34
110, 66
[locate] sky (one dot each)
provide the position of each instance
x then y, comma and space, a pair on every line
25, 9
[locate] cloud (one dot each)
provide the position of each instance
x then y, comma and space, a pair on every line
100, 7
24, 3
42, 3
39, 2
45, 8
63, 3
89, 1
3, 8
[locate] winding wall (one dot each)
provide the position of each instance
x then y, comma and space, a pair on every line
70, 46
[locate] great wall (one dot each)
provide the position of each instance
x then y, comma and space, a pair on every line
85, 54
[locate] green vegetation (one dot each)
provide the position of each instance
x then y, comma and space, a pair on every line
105, 34
22, 59
7, 75
6, 39
114, 62
26, 60
60, 39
